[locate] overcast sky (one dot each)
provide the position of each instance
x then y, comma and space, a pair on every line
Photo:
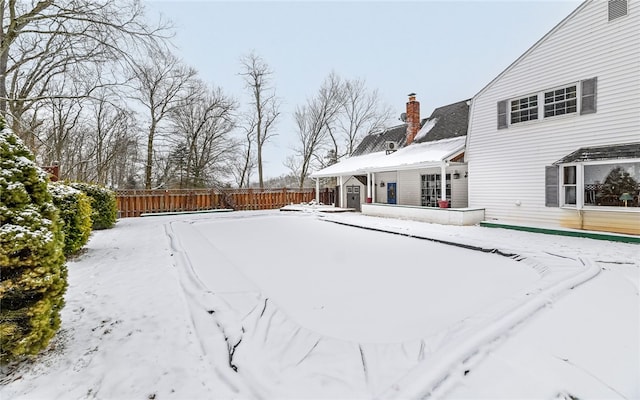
444, 51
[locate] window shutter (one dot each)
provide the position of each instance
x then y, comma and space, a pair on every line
588, 96
502, 114
551, 198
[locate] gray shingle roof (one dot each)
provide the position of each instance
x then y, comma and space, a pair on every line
376, 141
620, 151
452, 121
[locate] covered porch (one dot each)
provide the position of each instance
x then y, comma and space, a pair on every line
424, 181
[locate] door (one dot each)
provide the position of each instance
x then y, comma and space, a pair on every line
391, 193
353, 197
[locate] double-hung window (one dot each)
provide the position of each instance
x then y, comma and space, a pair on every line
564, 100
560, 101
569, 185
524, 109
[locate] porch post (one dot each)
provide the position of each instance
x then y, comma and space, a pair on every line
373, 187
369, 187
340, 191
443, 181
317, 191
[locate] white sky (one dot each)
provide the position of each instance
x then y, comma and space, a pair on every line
444, 51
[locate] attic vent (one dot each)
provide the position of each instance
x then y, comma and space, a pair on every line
617, 9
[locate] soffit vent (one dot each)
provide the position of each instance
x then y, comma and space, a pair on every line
617, 9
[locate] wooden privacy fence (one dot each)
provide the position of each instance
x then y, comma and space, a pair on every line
132, 203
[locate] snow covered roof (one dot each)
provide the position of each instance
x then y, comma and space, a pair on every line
376, 141
416, 155
621, 151
445, 122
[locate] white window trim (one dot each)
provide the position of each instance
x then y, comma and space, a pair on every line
540, 95
580, 186
579, 203
509, 111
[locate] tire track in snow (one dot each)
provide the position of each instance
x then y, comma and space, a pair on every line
443, 369
434, 376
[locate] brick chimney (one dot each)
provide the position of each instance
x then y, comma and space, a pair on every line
413, 118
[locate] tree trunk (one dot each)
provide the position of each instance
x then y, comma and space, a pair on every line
147, 167
4, 57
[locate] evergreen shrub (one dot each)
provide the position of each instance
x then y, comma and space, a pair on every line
75, 213
103, 204
33, 277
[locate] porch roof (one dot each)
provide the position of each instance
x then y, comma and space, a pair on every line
417, 155
612, 152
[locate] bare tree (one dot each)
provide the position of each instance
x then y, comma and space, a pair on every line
362, 113
161, 83
202, 124
59, 136
265, 105
245, 163
314, 122
112, 141
42, 42
92, 139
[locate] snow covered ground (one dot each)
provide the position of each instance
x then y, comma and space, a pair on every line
309, 305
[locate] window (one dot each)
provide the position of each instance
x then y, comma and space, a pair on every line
549, 103
524, 109
612, 184
431, 189
569, 183
560, 101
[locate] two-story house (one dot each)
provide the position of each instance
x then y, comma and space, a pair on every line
554, 140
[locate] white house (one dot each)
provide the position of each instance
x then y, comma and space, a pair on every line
554, 140
414, 170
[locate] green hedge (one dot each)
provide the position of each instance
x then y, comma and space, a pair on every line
103, 204
75, 212
33, 277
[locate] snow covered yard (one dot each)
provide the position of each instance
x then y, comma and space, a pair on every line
290, 305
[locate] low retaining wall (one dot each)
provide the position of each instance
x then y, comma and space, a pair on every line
444, 216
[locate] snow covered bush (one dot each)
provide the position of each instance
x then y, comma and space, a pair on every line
103, 204
75, 213
33, 277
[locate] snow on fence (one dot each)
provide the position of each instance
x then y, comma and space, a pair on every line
132, 203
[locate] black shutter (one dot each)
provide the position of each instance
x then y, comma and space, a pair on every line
551, 198
502, 114
588, 96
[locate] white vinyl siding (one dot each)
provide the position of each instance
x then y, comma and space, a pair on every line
409, 191
409, 187
459, 188
507, 166
381, 191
